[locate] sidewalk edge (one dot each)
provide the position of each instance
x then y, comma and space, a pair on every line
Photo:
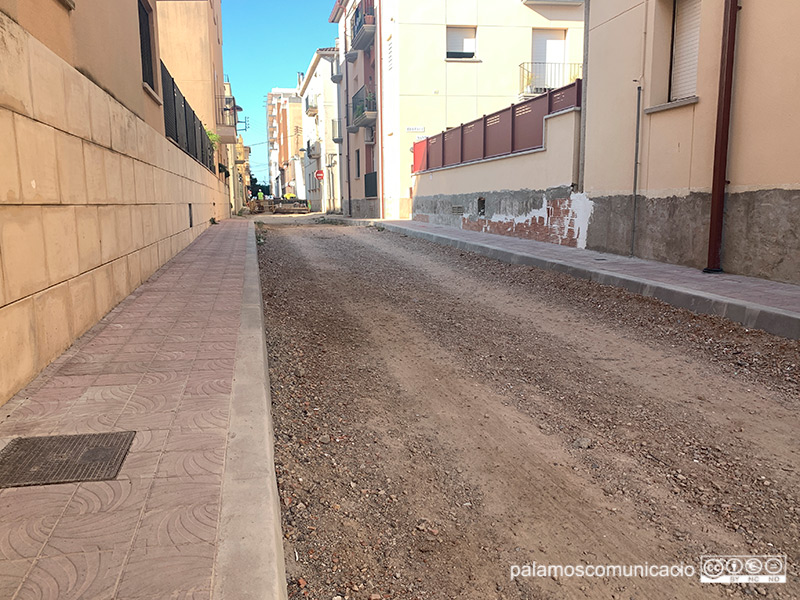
755, 316
250, 562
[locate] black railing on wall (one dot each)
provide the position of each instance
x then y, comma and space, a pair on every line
182, 125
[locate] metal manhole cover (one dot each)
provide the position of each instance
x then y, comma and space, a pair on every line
63, 458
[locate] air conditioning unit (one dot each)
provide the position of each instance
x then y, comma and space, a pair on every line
313, 149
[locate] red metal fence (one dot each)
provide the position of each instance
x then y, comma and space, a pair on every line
517, 128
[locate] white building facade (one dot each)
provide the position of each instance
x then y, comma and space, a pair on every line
320, 125
412, 68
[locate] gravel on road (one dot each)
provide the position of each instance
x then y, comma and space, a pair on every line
441, 418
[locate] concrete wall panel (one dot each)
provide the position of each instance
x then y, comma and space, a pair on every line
9, 166
71, 169
36, 151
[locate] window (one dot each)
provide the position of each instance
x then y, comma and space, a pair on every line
146, 39
358, 164
685, 46
461, 42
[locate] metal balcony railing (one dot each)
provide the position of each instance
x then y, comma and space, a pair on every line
540, 77
336, 131
226, 111
182, 125
362, 25
364, 107
312, 105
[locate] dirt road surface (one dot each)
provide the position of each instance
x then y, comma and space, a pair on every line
441, 418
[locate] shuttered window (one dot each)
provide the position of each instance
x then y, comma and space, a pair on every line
461, 42
146, 40
685, 47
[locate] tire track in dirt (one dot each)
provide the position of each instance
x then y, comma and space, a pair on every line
403, 307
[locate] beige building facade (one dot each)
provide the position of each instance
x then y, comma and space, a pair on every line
289, 142
641, 44
190, 45
93, 197
647, 164
274, 102
412, 68
242, 174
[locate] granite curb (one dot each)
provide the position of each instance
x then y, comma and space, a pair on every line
250, 562
757, 316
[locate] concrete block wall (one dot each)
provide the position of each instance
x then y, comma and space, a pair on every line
92, 202
526, 195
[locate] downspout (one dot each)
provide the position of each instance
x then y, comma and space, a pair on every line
636, 167
585, 76
638, 130
346, 133
721, 140
380, 101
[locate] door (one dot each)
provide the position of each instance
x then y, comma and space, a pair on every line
549, 69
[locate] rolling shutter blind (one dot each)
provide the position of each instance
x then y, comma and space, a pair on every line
685, 47
549, 45
460, 42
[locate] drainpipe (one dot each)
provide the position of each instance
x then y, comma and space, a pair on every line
379, 141
346, 133
585, 77
721, 141
636, 166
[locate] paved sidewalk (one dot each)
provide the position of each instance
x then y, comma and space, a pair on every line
181, 361
756, 303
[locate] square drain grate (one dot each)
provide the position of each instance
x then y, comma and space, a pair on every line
63, 458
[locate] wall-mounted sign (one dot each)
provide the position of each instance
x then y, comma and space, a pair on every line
320, 175
415, 129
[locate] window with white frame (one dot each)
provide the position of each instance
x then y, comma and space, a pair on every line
685, 49
461, 42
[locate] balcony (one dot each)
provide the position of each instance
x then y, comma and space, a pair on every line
336, 71
312, 105
363, 25
364, 107
539, 78
371, 185
336, 131
227, 116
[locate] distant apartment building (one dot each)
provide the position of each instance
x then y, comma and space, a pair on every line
680, 145
242, 174
227, 117
100, 185
321, 127
285, 138
413, 67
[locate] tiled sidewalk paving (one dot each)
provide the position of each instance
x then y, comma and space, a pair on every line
161, 364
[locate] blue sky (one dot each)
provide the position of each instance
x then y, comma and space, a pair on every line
265, 43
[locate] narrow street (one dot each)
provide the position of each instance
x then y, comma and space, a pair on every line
441, 417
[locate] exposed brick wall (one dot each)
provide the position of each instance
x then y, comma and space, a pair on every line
557, 227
